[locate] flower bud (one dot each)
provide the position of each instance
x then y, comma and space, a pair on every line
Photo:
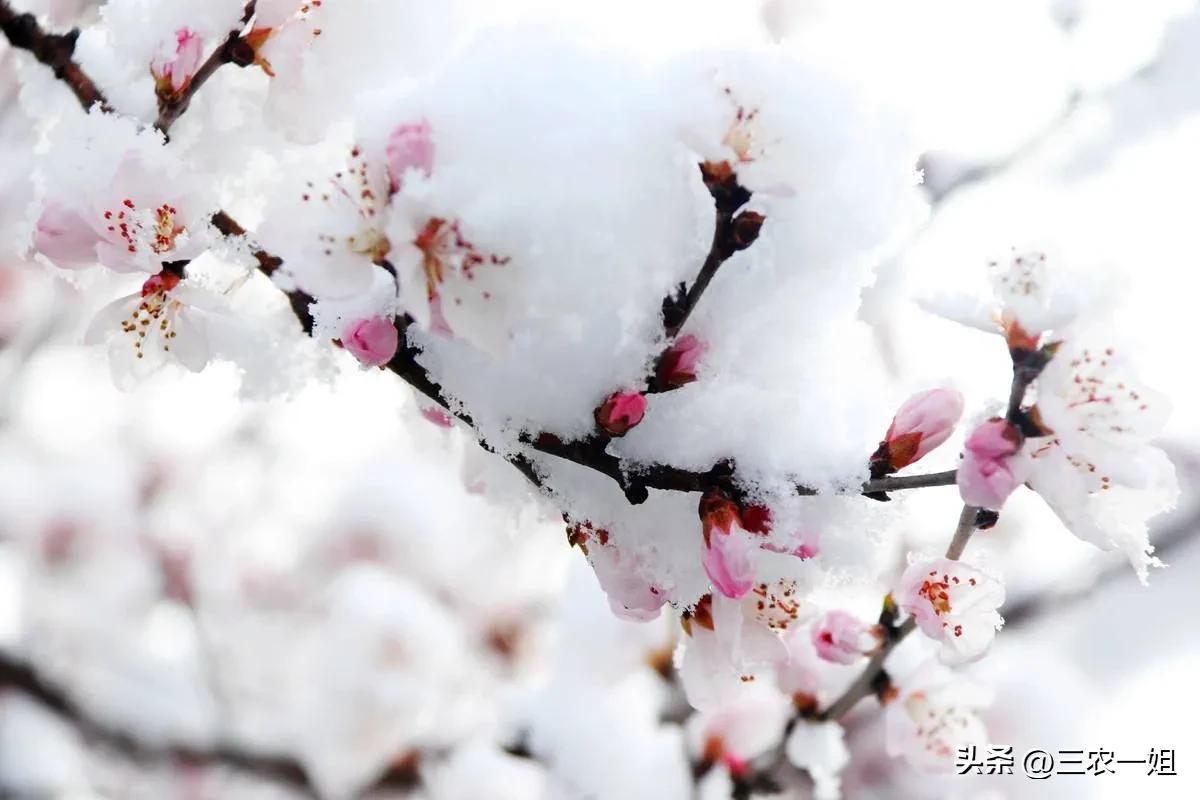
372, 341
843, 638
923, 422
677, 366
174, 67
990, 470
729, 542
410, 146
620, 412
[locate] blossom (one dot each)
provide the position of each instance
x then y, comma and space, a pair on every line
166, 322
734, 733
932, 717
1027, 301
1095, 465
730, 641
174, 67
730, 540
990, 470
923, 422
843, 638
409, 147
819, 748
342, 230
952, 603
448, 284
620, 412
630, 595
141, 222
677, 366
373, 341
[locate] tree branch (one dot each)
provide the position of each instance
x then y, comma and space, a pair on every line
234, 50
22, 677
56, 51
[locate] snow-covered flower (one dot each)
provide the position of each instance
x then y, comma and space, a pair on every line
1095, 466
730, 540
177, 62
1027, 300
678, 364
278, 23
953, 603
630, 595
819, 748
843, 638
991, 470
735, 733
166, 322
409, 147
140, 222
730, 641
620, 412
923, 422
333, 238
933, 716
448, 285
373, 341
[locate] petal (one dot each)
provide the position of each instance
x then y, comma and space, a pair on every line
190, 346
108, 319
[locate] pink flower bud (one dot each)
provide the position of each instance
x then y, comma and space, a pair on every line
843, 638
174, 69
437, 416
620, 412
728, 544
678, 365
990, 470
409, 147
372, 341
924, 421
162, 282
65, 238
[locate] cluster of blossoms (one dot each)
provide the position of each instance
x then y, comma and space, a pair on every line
443, 244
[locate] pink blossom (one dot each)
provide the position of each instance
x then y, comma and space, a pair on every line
729, 543
953, 603
923, 422
934, 715
437, 416
173, 71
630, 595
843, 638
727, 561
372, 341
621, 412
140, 222
677, 366
65, 237
409, 147
166, 322
989, 473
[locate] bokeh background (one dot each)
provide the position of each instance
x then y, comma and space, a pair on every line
204, 595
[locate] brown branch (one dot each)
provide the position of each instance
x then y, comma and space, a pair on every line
234, 50
22, 677
56, 51
732, 233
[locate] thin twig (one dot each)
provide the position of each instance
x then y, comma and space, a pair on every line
867, 681
56, 51
234, 50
